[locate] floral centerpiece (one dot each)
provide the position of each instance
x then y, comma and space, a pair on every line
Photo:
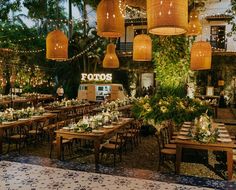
12, 115
7, 115
114, 105
88, 123
203, 130
64, 102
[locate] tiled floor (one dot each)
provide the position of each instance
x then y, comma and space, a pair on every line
19, 176
125, 172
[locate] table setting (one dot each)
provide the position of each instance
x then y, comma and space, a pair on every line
204, 130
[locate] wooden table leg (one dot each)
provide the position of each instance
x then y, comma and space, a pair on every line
58, 147
230, 164
1, 136
96, 152
178, 158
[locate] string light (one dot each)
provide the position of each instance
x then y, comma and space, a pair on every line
122, 8
23, 51
22, 40
136, 10
84, 51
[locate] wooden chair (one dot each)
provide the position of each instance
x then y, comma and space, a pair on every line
65, 143
164, 153
36, 132
165, 136
132, 133
17, 136
114, 147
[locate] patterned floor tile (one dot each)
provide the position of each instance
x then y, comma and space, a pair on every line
20, 176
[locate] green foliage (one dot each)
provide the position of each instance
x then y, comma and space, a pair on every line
6, 6
172, 108
171, 58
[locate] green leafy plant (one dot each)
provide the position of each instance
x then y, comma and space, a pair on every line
171, 58
173, 108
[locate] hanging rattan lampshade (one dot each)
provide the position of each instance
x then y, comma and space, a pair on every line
57, 46
142, 48
110, 22
201, 54
111, 60
194, 25
221, 82
167, 17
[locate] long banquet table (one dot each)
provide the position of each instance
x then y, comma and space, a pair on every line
22, 122
96, 137
218, 146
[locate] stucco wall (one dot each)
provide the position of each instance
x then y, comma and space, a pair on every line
214, 7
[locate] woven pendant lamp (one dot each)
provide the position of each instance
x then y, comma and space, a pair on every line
194, 25
110, 21
142, 48
56, 46
111, 60
201, 54
167, 17
221, 82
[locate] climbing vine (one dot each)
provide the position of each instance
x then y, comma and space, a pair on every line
172, 59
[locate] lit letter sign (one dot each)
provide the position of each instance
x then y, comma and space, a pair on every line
102, 77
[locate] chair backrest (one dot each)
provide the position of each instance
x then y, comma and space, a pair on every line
164, 136
159, 141
120, 135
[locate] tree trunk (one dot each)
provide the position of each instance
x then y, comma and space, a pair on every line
85, 33
70, 22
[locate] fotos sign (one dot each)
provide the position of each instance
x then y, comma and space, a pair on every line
96, 77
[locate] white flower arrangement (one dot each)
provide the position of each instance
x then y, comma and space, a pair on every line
203, 130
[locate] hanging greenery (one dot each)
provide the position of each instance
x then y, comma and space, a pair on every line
172, 59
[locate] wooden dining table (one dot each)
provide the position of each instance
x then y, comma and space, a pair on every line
22, 122
227, 147
97, 137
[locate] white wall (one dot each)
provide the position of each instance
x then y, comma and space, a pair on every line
130, 33
214, 7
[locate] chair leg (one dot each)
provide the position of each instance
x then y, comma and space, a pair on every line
114, 159
63, 153
120, 152
51, 149
19, 146
8, 148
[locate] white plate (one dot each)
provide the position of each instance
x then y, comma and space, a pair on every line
183, 132
187, 123
220, 124
108, 126
66, 128
223, 131
97, 131
184, 129
47, 113
23, 119
36, 116
223, 135
224, 140
183, 137
7, 122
